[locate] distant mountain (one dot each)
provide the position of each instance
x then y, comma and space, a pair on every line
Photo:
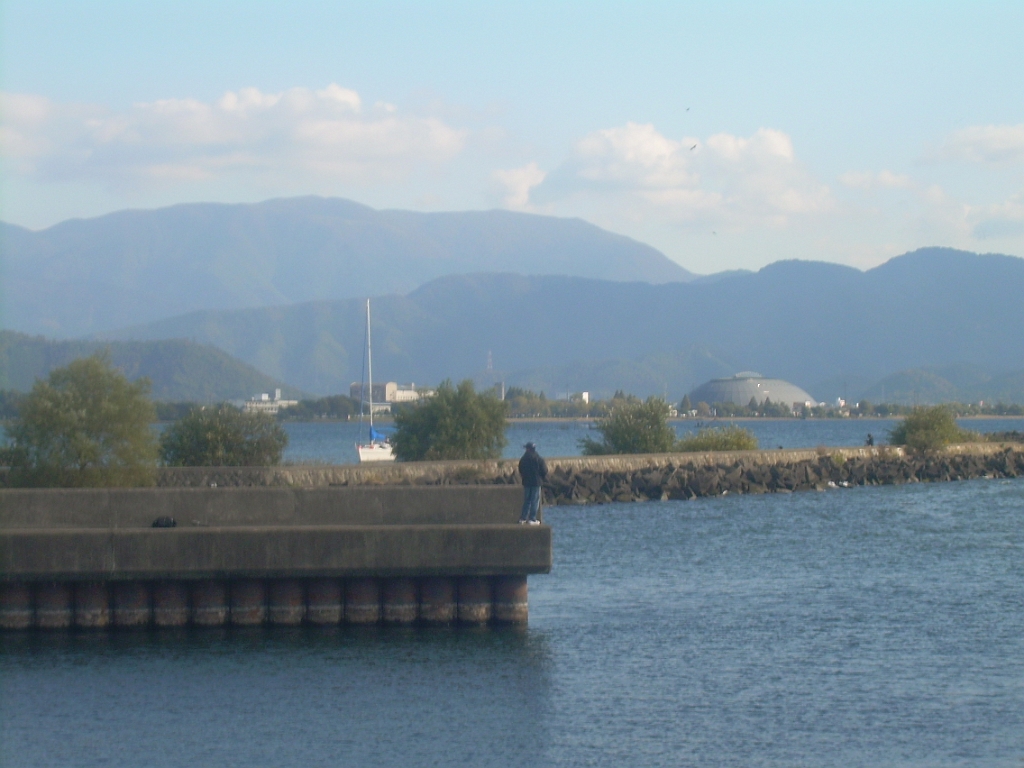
179, 369
958, 383
131, 267
800, 321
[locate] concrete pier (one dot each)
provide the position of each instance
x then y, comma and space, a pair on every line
92, 605
511, 603
210, 603
400, 603
170, 604
132, 604
91, 558
476, 600
248, 602
438, 602
362, 601
286, 602
325, 601
54, 605
16, 606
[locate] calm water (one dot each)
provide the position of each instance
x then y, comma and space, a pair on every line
334, 443
871, 626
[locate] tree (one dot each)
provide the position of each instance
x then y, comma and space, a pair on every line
634, 427
86, 425
685, 406
223, 436
456, 423
929, 428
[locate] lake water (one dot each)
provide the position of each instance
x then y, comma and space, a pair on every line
876, 626
334, 442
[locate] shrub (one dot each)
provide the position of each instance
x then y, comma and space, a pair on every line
929, 428
718, 439
223, 436
456, 423
633, 427
86, 425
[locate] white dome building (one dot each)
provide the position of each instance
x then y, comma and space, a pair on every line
740, 388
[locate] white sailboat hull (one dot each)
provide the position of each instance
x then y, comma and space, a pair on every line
375, 452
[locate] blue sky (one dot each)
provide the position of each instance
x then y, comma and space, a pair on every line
727, 135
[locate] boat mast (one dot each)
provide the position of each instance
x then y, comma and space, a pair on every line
369, 365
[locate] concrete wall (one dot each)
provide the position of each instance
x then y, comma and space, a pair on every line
257, 506
76, 534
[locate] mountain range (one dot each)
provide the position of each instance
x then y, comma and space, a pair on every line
88, 275
807, 322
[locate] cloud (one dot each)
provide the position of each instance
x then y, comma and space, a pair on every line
868, 181
1000, 220
517, 183
321, 133
726, 178
998, 145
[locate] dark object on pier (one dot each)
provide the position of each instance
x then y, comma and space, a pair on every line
164, 522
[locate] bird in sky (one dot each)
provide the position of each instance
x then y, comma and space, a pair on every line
693, 147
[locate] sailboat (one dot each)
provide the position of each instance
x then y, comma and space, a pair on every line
378, 448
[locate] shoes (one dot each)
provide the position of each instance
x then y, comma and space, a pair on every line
535, 522
524, 522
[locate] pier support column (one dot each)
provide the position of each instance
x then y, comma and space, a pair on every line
475, 600
400, 603
248, 602
287, 602
511, 603
362, 601
15, 605
438, 604
131, 604
170, 604
92, 605
324, 601
210, 603
54, 605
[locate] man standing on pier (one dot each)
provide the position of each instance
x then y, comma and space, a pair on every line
533, 469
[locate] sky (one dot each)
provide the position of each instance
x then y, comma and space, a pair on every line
728, 135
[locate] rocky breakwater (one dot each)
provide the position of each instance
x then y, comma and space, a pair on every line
677, 477
603, 479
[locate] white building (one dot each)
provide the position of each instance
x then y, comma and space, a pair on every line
264, 404
390, 392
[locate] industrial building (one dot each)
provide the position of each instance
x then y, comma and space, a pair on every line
739, 389
387, 393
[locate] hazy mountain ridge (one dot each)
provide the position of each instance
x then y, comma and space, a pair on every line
87, 275
178, 369
801, 321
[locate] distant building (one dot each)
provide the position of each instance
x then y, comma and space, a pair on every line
739, 389
387, 393
264, 404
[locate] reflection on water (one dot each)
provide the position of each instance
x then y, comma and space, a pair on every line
282, 696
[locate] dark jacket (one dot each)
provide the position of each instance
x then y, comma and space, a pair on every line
533, 468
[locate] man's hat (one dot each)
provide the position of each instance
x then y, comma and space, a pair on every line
530, 446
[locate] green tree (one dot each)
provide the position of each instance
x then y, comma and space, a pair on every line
929, 428
633, 427
685, 406
718, 439
456, 423
223, 436
86, 425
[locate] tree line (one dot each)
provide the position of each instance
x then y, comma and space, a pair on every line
88, 425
